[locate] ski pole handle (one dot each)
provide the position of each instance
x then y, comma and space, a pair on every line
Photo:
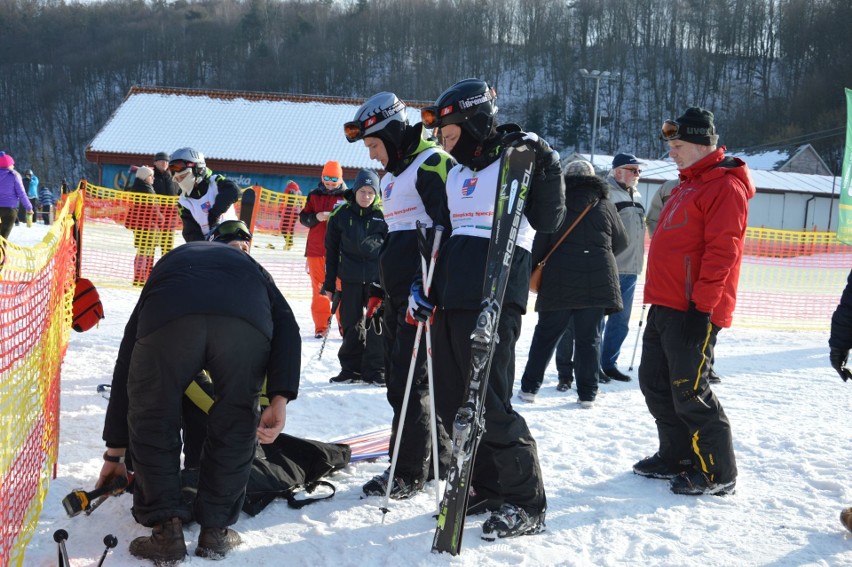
110, 541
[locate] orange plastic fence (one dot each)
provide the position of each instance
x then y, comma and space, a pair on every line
36, 290
789, 279
127, 232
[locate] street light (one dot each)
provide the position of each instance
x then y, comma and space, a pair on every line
597, 77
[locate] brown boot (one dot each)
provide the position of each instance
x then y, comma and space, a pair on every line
165, 544
215, 543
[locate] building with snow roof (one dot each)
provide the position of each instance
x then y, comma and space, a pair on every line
253, 138
784, 200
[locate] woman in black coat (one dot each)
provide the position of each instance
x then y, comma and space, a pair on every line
579, 282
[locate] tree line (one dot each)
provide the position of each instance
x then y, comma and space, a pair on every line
773, 71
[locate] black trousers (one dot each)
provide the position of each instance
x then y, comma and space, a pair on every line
7, 220
415, 450
362, 350
161, 367
506, 467
690, 420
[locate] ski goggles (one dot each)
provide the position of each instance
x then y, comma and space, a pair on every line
230, 230
670, 130
330, 179
429, 117
180, 165
355, 130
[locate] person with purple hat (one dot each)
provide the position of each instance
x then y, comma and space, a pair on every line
11, 193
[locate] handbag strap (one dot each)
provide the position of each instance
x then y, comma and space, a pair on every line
567, 232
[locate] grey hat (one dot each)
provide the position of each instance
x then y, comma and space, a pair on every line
580, 167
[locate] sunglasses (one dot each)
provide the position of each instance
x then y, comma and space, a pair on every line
633, 170
330, 179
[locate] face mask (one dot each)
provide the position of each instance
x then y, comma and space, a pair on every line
187, 184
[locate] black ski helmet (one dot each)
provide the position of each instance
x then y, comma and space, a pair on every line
471, 103
383, 116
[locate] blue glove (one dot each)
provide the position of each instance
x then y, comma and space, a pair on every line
420, 309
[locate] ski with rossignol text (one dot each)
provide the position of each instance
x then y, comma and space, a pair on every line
516, 169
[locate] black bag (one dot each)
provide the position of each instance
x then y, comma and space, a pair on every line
288, 465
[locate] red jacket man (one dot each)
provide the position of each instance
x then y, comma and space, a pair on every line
693, 269
318, 206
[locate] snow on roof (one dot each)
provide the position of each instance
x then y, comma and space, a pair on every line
234, 128
768, 161
663, 170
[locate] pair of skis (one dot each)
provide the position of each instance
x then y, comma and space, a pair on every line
516, 169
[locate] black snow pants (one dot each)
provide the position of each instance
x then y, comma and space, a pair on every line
690, 420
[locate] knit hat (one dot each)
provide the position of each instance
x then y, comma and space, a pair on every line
6, 160
696, 127
333, 169
292, 187
579, 167
366, 178
621, 160
144, 172
161, 156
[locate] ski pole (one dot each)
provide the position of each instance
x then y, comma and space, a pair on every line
110, 541
433, 420
638, 333
335, 301
60, 536
427, 284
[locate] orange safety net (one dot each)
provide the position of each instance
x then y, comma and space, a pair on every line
789, 280
36, 291
126, 233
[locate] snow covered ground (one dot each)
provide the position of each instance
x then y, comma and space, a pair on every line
786, 405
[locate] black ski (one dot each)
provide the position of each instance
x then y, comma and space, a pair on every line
516, 168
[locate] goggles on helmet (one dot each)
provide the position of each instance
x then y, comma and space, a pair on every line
230, 230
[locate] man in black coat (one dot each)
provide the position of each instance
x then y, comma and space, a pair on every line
206, 305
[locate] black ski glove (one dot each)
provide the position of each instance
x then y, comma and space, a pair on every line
838, 357
696, 326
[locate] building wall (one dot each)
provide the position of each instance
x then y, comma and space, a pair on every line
785, 211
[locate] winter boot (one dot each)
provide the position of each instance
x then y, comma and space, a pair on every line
528, 397
164, 545
346, 377
401, 490
215, 543
615, 374
655, 467
511, 521
695, 483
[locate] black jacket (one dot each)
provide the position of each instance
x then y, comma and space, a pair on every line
164, 184
353, 239
841, 320
208, 278
460, 271
582, 271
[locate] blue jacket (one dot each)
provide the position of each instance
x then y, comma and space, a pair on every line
32, 189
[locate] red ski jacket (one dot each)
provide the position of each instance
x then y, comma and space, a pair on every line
697, 248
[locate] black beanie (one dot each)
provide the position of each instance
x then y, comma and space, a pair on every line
696, 127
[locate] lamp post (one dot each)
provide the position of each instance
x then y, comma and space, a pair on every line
597, 77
